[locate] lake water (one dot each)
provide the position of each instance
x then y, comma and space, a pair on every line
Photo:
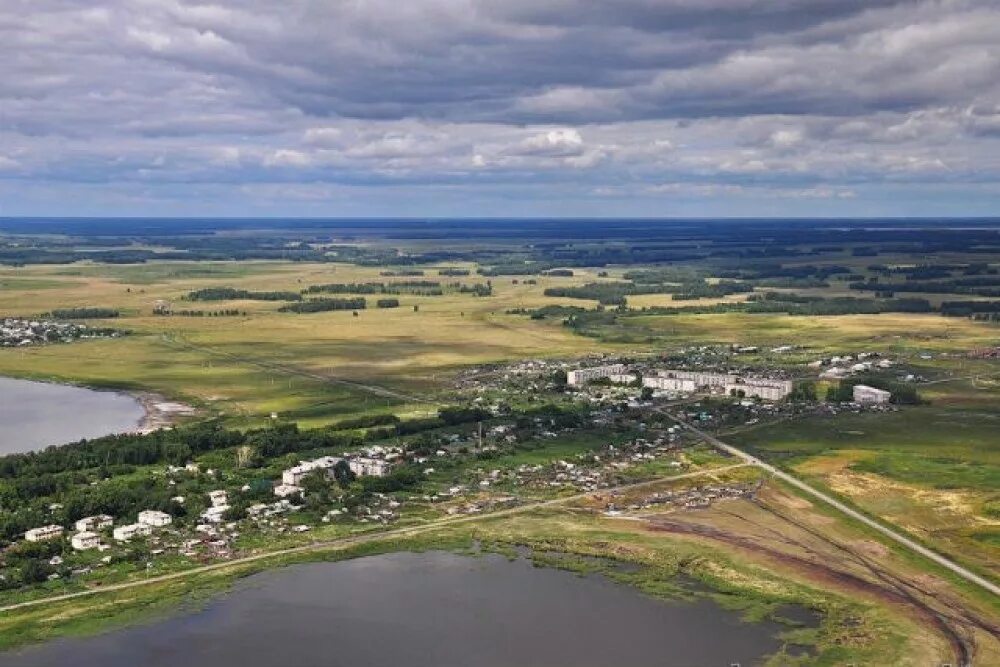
425, 610
34, 415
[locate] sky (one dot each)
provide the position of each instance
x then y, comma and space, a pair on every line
493, 108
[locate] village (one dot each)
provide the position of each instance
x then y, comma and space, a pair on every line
610, 407
15, 332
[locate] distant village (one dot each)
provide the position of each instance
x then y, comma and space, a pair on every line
16, 332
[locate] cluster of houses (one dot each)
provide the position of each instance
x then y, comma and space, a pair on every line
692, 498
688, 382
15, 332
88, 537
836, 368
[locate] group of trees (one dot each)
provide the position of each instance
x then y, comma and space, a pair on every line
415, 287
325, 304
230, 293
93, 313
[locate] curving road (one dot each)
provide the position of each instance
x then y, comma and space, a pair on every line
899, 538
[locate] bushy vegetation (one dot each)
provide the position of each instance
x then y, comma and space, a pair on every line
83, 313
231, 293
323, 305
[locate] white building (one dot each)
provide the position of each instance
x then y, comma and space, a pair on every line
92, 523
728, 383
43, 533
85, 540
155, 518
214, 514
130, 530
870, 395
585, 375
285, 490
771, 390
667, 383
363, 466
294, 475
218, 498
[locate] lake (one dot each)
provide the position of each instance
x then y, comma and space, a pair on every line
431, 609
34, 415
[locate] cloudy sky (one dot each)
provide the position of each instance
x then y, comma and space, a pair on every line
500, 107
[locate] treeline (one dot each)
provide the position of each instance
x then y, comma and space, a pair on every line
387, 303
230, 293
83, 313
988, 286
609, 294
226, 312
401, 273
414, 287
453, 272
970, 308
706, 290
616, 293
324, 304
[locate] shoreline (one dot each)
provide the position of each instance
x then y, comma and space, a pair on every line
159, 412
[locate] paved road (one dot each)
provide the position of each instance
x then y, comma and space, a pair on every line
915, 547
362, 539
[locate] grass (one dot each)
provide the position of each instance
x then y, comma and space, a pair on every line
932, 470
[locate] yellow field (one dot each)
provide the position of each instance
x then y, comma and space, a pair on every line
210, 360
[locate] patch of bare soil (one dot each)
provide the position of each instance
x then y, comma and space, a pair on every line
852, 567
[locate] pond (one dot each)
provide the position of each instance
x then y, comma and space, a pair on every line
34, 415
432, 609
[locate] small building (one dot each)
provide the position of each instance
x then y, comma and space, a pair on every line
44, 533
218, 498
155, 518
215, 513
130, 530
285, 490
85, 540
870, 395
92, 523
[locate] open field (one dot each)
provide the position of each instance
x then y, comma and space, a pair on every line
932, 470
209, 361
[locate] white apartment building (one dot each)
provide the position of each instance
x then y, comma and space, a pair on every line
155, 518
92, 523
294, 475
85, 540
364, 466
43, 533
130, 530
728, 383
771, 390
666, 383
585, 375
870, 395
